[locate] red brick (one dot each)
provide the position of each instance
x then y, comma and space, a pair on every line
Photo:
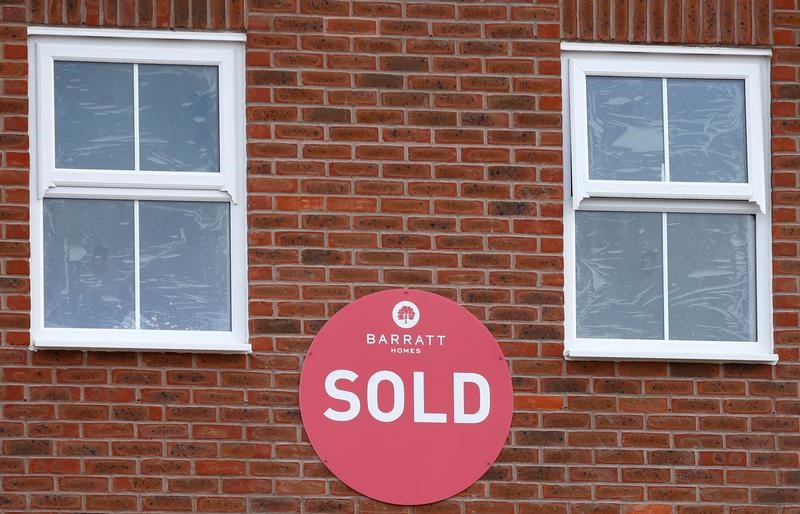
417, 144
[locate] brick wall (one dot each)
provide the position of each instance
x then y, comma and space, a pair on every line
402, 144
705, 22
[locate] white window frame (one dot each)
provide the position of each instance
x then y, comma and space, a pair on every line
580, 60
225, 50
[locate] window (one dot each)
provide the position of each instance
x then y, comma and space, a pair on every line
137, 190
667, 232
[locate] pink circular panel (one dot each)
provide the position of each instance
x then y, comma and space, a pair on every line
406, 397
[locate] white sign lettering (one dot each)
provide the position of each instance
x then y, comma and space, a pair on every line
460, 380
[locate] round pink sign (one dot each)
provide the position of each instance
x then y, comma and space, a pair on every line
406, 397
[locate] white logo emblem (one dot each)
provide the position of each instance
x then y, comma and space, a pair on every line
405, 314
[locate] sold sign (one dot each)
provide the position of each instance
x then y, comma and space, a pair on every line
406, 397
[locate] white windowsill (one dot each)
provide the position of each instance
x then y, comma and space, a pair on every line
632, 355
56, 344
140, 340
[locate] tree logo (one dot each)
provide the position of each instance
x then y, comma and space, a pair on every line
405, 314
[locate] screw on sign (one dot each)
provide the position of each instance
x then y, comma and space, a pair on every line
406, 397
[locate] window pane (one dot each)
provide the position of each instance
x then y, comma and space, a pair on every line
626, 134
94, 115
619, 275
179, 119
707, 130
184, 265
88, 264
712, 294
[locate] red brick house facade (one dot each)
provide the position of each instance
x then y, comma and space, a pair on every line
402, 144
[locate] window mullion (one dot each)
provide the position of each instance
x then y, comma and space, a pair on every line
136, 275
136, 164
665, 127
664, 273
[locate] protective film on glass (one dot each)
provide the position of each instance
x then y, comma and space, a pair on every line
88, 263
626, 132
712, 277
185, 265
619, 259
707, 137
178, 117
93, 115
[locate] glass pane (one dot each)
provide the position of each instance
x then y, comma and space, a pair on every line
626, 134
712, 277
179, 118
619, 275
706, 130
94, 115
88, 264
184, 265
